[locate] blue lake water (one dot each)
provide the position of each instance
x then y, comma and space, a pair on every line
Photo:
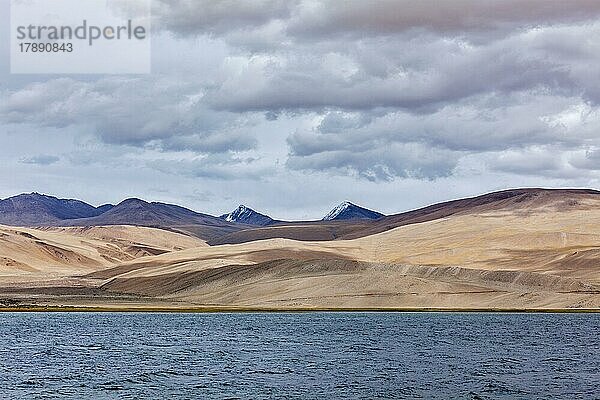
299, 355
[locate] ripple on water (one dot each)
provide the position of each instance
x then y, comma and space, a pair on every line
309, 355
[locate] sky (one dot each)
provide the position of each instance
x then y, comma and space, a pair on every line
292, 107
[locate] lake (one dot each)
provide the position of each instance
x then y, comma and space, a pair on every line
299, 355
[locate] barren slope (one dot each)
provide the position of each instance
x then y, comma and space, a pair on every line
38, 254
544, 257
541, 251
506, 200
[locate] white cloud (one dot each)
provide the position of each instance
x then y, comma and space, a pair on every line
265, 101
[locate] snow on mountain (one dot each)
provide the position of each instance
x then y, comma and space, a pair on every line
348, 210
246, 215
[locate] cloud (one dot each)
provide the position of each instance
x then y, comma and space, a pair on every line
420, 73
588, 159
445, 17
526, 135
224, 167
533, 161
165, 113
319, 19
42, 159
188, 17
381, 163
360, 99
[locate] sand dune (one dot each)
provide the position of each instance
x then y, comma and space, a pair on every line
48, 253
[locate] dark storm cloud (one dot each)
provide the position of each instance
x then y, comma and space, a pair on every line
416, 55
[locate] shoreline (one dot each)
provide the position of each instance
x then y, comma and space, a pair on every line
225, 309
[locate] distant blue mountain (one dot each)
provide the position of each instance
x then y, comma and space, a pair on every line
37, 209
143, 213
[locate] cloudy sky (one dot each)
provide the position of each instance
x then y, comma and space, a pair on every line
291, 107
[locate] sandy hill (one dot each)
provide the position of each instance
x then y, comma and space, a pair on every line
517, 200
542, 258
514, 199
38, 254
517, 249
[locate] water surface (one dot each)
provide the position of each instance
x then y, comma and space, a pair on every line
299, 355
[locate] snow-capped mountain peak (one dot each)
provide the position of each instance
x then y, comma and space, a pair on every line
246, 215
348, 210
337, 211
239, 213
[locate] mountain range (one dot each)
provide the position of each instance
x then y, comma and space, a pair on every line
514, 249
37, 209
346, 221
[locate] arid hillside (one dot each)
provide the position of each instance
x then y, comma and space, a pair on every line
540, 251
28, 255
508, 200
